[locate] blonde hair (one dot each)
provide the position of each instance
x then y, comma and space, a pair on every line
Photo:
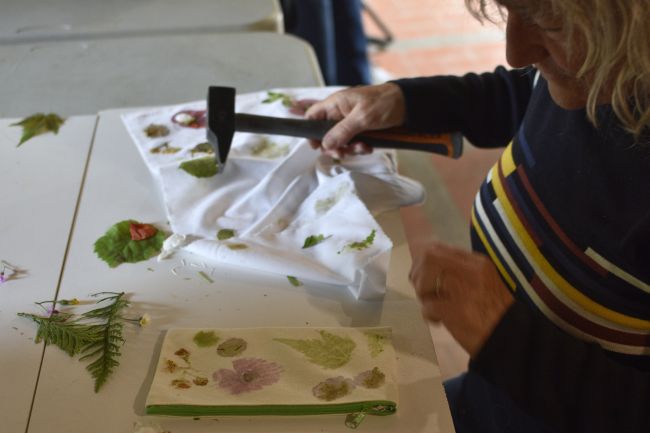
615, 35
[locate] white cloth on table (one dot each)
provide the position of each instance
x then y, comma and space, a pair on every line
274, 192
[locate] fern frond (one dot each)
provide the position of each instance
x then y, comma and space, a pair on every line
105, 350
63, 331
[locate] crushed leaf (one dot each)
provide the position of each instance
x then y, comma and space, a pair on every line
271, 97
294, 281
269, 149
202, 148
38, 124
225, 234
361, 245
206, 277
237, 246
201, 167
314, 240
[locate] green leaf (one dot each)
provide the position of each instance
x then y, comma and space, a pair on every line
314, 240
205, 338
294, 281
38, 124
116, 246
271, 97
224, 234
232, 347
362, 245
201, 167
331, 351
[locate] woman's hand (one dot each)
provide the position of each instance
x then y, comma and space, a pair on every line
358, 109
461, 289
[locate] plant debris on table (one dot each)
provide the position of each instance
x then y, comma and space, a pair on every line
38, 124
129, 241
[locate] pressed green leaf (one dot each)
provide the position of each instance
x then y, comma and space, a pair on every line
116, 246
224, 234
361, 245
331, 351
205, 338
38, 124
294, 281
314, 240
201, 167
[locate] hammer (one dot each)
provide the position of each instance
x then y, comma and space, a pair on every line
223, 122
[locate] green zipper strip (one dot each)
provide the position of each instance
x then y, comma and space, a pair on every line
379, 407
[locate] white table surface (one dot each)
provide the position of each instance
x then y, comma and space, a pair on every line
42, 20
80, 77
39, 184
118, 186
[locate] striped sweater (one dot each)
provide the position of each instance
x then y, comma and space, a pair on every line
565, 217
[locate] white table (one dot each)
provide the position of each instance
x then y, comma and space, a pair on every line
46, 20
40, 184
80, 77
118, 186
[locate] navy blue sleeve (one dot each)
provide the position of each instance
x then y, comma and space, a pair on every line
571, 384
486, 108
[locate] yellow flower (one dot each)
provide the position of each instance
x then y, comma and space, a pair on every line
144, 320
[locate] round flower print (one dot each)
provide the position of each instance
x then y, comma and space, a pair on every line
248, 374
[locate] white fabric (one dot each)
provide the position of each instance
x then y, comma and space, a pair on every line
274, 203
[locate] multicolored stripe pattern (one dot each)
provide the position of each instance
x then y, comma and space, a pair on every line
573, 285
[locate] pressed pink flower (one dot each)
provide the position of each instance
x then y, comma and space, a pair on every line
248, 374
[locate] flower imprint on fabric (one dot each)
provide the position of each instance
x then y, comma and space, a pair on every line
331, 351
155, 130
232, 347
164, 149
181, 384
266, 148
206, 338
248, 374
370, 379
188, 375
202, 148
190, 118
333, 388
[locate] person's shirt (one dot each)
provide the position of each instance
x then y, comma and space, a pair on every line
565, 217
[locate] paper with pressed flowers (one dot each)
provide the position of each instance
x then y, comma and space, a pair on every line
274, 194
200, 369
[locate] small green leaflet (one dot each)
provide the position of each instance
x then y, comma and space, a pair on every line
376, 341
224, 234
38, 124
362, 245
294, 281
314, 240
271, 97
206, 277
206, 338
116, 246
201, 167
331, 351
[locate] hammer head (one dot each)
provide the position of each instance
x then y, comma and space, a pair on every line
221, 122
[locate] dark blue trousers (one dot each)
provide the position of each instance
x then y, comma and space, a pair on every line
479, 407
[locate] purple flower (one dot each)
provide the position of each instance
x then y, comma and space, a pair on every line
248, 374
